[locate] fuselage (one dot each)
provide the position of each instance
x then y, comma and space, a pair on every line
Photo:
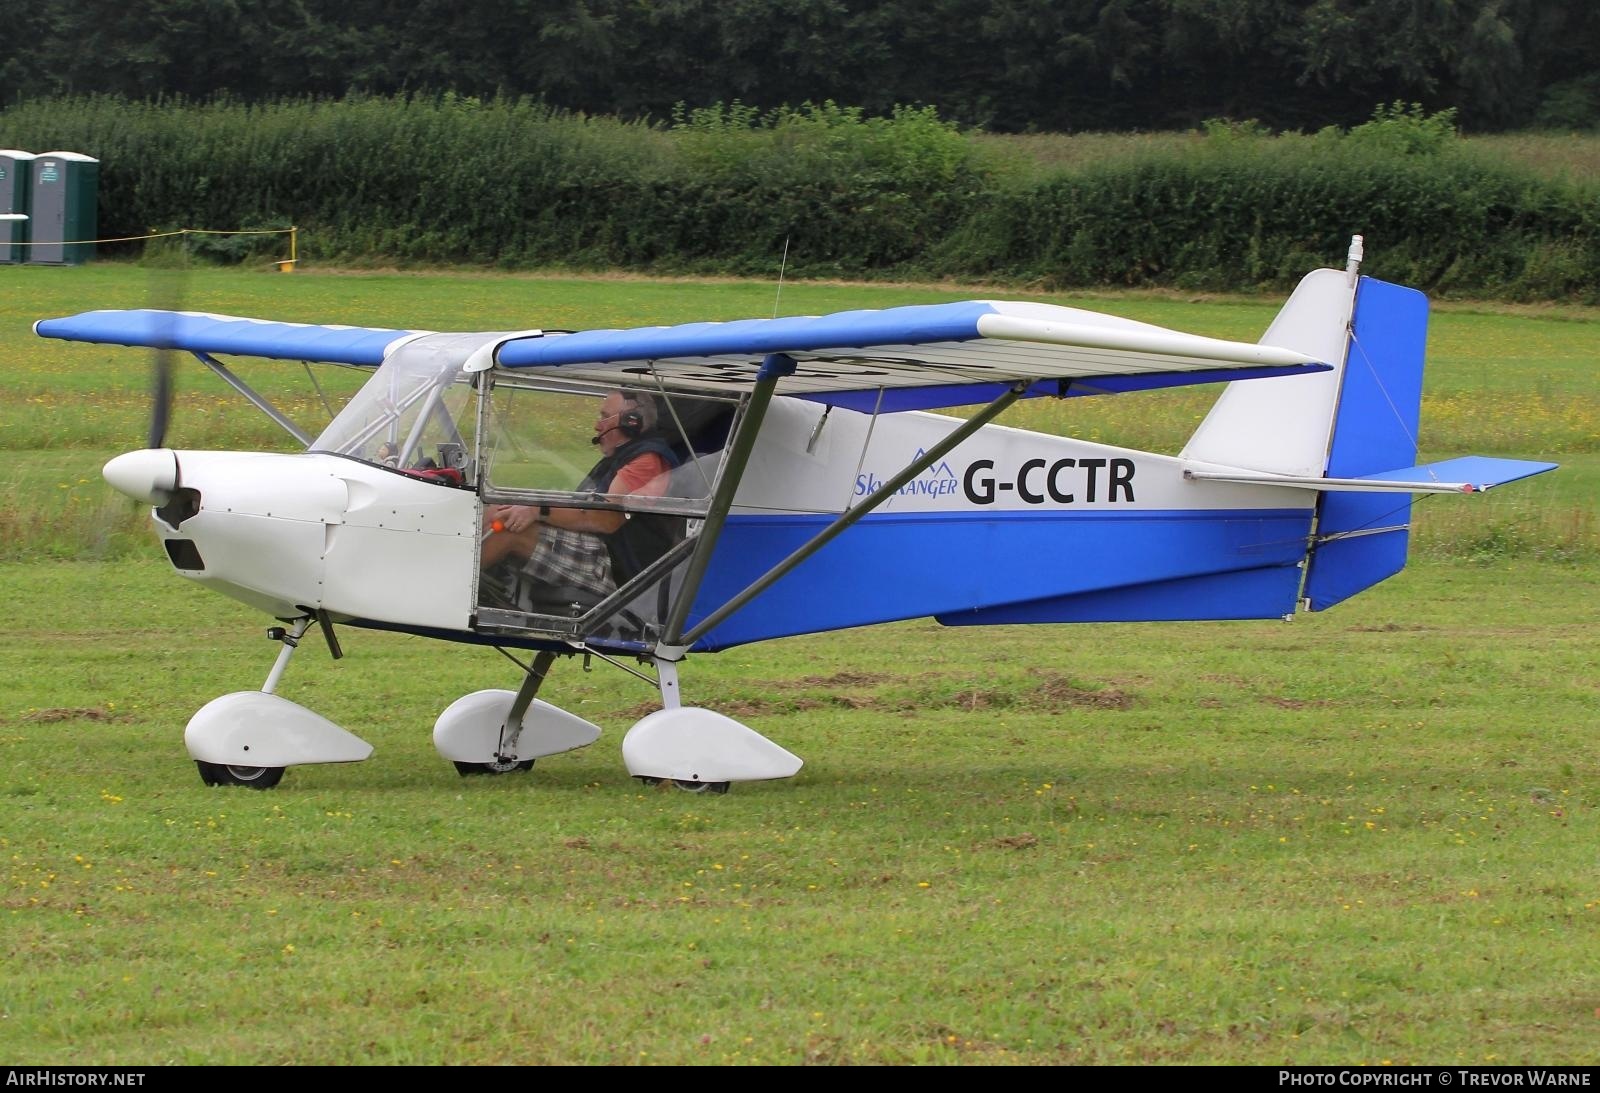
1010, 526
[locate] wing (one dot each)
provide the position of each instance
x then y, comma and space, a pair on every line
901, 358
915, 357
231, 335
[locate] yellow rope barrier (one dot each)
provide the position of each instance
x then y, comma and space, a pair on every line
286, 265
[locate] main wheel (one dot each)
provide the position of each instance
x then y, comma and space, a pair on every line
224, 774
700, 787
495, 766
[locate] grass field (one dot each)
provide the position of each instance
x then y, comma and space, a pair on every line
1365, 836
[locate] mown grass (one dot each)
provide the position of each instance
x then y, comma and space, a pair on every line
1365, 836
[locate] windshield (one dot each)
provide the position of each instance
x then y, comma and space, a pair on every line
415, 413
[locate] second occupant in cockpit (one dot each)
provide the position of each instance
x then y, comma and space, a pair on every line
579, 554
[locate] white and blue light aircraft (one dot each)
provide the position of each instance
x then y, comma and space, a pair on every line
810, 491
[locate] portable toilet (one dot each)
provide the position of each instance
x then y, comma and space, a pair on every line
16, 178
65, 208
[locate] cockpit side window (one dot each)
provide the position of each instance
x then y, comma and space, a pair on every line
538, 439
545, 437
592, 497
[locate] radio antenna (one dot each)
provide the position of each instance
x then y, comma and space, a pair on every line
782, 265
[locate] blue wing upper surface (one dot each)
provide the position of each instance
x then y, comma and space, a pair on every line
917, 356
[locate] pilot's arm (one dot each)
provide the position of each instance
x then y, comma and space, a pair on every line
645, 476
514, 529
519, 518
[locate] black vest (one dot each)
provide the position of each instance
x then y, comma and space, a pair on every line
643, 536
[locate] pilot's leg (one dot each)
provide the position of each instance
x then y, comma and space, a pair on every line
500, 545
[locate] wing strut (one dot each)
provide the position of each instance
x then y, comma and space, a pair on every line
850, 516
773, 368
249, 393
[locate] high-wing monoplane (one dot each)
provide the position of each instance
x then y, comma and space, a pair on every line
802, 486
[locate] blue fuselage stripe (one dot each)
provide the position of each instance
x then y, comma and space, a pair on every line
911, 565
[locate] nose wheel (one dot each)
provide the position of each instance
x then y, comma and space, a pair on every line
224, 774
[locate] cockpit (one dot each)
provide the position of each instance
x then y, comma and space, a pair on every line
539, 450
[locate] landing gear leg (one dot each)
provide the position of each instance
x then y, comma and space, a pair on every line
291, 641
526, 693
505, 760
498, 731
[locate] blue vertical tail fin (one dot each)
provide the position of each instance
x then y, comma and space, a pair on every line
1362, 538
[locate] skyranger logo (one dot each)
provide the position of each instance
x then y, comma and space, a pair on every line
1060, 481
938, 480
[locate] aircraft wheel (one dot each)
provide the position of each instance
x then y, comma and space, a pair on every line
493, 767
700, 787
222, 774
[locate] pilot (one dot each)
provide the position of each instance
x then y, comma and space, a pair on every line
578, 551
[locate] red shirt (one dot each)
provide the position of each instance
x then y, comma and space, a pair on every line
645, 475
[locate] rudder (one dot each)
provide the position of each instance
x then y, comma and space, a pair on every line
1362, 538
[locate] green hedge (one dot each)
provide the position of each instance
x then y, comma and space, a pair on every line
516, 185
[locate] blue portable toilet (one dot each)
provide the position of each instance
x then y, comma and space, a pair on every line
16, 181
65, 208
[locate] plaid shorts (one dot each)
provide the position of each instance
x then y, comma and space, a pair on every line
571, 560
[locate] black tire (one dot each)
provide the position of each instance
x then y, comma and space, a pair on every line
700, 787
466, 770
222, 774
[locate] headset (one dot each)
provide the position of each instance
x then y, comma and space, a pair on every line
631, 423
635, 422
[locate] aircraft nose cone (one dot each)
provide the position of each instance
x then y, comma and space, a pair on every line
149, 475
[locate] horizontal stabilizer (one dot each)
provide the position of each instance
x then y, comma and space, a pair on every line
1468, 474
